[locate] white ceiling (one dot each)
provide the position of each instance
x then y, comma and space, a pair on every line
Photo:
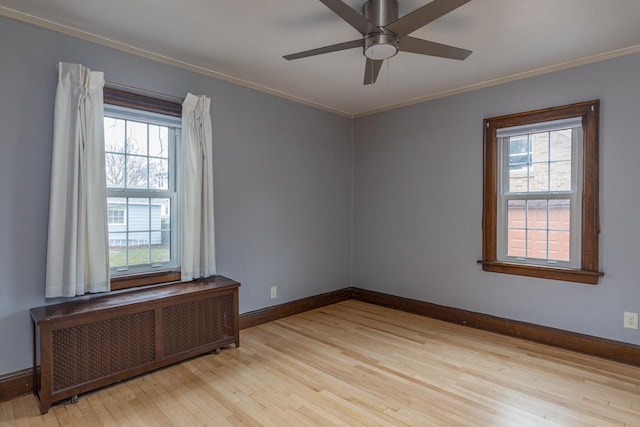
244, 41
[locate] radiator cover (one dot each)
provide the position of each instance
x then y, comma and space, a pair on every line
92, 343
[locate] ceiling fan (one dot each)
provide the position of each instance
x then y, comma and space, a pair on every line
383, 34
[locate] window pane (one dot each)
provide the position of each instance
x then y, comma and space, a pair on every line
117, 250
537, 214
537, 244
136, 138
158, 141
116, 218
161, 252
560, 173
516, 216
516, 224
113, 135
136, 172
138, 214
114, 166
138, 248
165, 213
156, 214
516, 243
559, 245
561, 145
540, 147
159, 174
539, 177
518, 145
519, 150
560, 214
116, 213
518, 179
161, 240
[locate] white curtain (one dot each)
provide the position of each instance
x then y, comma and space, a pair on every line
196, 190
77, 250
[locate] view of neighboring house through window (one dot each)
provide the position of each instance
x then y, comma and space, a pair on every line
140, 160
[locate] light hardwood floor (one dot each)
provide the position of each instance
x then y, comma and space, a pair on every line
356, 364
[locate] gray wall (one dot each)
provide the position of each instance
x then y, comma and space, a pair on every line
282, 179
418, 202
283, 190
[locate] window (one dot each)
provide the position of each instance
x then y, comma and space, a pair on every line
141, 162
541, 193
115, 214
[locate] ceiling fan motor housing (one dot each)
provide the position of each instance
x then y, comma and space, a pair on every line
381, 13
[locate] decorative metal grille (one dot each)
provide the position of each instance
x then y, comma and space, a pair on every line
197, 323
87, 352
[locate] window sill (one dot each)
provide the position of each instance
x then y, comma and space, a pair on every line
144, 279
554, 273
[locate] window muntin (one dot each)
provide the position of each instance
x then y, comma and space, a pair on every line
540, 198
141, 162
530, 196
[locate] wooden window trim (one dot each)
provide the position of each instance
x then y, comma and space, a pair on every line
144, 279
588, 272
122, 98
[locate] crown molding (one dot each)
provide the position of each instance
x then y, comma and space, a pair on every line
104, 41
507, 79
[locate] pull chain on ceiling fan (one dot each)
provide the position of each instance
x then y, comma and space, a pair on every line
384, 35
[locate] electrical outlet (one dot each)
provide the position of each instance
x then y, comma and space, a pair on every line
274, 295
630, 320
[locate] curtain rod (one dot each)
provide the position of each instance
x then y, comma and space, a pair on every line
141, 91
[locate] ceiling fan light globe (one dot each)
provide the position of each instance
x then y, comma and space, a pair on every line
380, 46
380, 51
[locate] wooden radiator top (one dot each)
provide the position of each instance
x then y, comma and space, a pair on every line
66, 310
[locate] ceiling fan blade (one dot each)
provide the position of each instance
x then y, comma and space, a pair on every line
326, 49
371, 71
353, 18
425, 47
422, 16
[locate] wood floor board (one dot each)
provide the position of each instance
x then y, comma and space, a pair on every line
196, 391
226, 391
187, 391
312, 382
88, 413
176, 404
152, 413
115, 399
357, 364
7, 417
103, 415
49, 420
21, 414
